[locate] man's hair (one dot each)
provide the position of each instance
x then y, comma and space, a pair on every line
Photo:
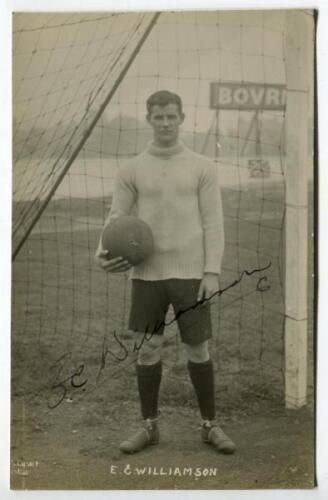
162, 98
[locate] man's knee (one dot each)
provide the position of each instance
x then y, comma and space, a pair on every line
197, 353
148, 348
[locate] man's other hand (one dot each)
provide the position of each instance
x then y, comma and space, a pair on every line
117, 265
208, 286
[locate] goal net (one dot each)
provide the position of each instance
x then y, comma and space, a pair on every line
80, 86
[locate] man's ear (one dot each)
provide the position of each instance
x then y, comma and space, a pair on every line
182, 117
148, 117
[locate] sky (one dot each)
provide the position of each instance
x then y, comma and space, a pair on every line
184, 53
65, 64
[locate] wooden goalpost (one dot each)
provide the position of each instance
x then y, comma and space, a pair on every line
298, 77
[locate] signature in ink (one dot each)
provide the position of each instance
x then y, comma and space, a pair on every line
261, 286
105, 352
60, 386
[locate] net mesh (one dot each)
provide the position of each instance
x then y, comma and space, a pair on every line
66, 312
63, 67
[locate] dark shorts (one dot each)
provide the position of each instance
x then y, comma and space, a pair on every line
150, 302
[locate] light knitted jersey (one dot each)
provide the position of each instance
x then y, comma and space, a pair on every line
176, 192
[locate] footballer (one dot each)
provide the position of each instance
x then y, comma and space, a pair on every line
176, 192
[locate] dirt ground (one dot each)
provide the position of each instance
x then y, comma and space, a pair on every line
74, 447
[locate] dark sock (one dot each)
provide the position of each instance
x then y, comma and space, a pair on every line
202, 377
149, 379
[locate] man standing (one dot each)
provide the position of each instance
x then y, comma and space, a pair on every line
176, 193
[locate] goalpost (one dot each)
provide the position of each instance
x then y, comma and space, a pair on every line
298, 79
80, 86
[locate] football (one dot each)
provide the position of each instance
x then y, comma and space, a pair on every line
128, 237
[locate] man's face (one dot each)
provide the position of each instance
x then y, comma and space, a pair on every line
165, 121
